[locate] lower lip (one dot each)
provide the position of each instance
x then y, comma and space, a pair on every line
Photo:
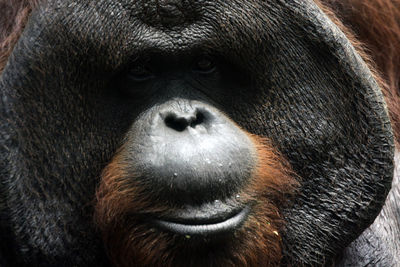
229, 224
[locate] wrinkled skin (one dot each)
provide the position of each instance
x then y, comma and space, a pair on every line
75, 92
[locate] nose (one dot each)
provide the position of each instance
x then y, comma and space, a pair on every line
182, 120
191, 152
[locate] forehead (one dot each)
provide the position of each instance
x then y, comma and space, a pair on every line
163, 13
165, 24
169, 15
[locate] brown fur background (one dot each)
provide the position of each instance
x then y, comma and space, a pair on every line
13, 17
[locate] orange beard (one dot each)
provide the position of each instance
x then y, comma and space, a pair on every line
130, 240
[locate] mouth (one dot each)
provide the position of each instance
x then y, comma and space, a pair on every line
206, 223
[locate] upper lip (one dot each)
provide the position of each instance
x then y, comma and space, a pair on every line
207, 220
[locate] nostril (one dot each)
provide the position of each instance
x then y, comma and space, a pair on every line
177, 123
199, 119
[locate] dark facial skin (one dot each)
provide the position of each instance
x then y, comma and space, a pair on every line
164, 100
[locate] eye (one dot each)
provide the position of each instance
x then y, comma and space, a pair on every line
140, 73
205, 65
